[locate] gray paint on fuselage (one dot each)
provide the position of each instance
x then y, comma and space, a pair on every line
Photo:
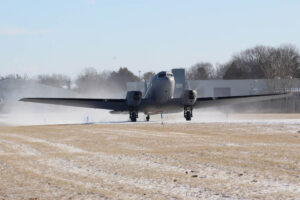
161, 88
159, 94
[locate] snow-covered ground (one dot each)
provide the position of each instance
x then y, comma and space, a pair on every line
209, 160
61, 116
65, 115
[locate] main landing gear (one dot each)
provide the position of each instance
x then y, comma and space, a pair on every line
188, 113
133, 114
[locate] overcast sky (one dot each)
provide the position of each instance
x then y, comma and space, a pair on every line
66, 36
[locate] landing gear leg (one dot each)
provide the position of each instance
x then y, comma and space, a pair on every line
133, 115
148, 118
188, 113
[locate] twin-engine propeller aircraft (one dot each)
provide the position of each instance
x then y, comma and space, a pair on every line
157, 99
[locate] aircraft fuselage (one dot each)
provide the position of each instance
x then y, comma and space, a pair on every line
161, 88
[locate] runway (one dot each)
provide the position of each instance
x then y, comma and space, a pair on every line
208, 160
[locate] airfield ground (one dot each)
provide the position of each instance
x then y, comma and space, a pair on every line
211, 160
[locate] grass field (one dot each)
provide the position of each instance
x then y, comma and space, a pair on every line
215, 160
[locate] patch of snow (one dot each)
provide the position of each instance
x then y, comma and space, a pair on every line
22, 149
63, 147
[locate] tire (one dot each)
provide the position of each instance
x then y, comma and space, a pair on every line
133, 117
188, 115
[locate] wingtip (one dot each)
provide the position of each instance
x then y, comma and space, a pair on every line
23, 99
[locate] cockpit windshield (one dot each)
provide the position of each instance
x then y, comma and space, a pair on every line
164, 74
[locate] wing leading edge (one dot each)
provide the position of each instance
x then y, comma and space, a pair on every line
110, 104
223, 101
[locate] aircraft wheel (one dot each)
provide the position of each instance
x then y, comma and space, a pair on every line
188, 115
133, 116
148, 118
133, 119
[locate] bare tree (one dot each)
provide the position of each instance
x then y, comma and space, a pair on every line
15, 76
121, 77
247, 64
200, 71
93, 83
55, 80
90, 81
281, 67
220, 71
278, 65
148, 76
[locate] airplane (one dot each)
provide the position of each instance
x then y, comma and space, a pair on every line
157, 99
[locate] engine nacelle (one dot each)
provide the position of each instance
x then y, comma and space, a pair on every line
189, 97
133, 98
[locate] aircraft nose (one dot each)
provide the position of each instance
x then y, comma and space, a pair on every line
168, 83
168, 80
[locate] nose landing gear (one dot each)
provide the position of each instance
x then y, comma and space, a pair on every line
188, 113
148, 118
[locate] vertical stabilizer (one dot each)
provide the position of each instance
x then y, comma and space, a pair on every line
179, 76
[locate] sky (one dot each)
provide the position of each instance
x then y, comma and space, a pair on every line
67, 36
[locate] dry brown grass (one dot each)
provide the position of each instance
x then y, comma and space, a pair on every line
150, 161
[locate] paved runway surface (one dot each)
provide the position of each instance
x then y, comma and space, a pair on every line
215, 160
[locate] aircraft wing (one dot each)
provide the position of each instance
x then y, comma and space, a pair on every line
110, 104
173, 105
204, 102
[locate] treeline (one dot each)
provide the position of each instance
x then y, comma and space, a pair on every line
260, 62
89, 82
